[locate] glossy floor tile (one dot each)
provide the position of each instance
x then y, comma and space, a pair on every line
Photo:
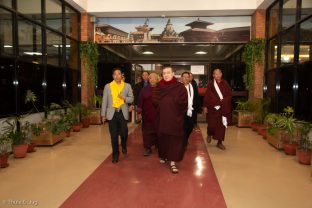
254, 174
251, 173
138, 181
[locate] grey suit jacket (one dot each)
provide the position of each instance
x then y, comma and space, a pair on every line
107, 103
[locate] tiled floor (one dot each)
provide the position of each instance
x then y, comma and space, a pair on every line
251, 173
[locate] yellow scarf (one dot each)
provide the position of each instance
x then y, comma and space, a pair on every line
116, 90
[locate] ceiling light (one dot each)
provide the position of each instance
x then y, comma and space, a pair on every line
60, 46
200, 52
148, 52
33, 53
7, 46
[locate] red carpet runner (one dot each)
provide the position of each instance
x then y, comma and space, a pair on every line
138, 181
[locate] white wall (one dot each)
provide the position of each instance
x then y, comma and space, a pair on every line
139, 8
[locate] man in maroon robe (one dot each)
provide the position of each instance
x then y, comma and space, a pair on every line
170, 99
217, 103
147, 111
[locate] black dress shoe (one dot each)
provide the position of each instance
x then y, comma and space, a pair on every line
124, 151
115, 160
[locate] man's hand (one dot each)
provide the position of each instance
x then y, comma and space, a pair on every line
122, 97
217, 107
103, 119
139, 117
205, 110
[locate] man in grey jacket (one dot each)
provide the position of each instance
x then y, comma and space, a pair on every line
116, 97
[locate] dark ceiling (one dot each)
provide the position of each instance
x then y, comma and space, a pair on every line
171, 52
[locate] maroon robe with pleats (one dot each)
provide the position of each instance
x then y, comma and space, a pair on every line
170, 99
215, 127
148, 111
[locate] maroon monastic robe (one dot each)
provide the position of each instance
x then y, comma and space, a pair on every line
170, 99
215, 127
148, 111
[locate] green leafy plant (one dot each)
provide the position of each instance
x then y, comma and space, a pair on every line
252, 54
5, 144
97, 100
15, 131
305, 128
243, 105
260, 108
90, 56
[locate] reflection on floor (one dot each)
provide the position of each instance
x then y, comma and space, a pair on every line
138, 181
251, 173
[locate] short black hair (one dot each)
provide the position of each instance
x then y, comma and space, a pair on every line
217, 69
117, 68
188, 73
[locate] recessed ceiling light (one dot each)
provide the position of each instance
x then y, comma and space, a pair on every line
148, 52
57, 46
7, 46
33, 53
200, 52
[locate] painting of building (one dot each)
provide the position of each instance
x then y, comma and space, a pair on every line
108, 34
169, 35
143, 34
199, 32
175, 29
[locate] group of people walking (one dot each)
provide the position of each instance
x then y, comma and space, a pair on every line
168, 110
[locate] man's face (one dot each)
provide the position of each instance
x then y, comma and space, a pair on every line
217, 75
185, 79
191, 76
145, 76
153, 79
168, 74
117, 76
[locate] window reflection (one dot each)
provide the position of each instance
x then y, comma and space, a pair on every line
287, 48
289, 13
30, 8
7, 3
71, 22
54, 14
274, 19
54, 48
306, 6
72, 53
272, 55
6, 33
305, 51
30, 41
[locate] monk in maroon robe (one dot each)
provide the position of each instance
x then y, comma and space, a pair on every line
170, 99
217, 103
147, 112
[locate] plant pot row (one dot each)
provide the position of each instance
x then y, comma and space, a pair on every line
304, 156
19, 151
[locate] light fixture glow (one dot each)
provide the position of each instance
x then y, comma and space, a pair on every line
7, 46
148, 53
60, 46
200, 52
33, 53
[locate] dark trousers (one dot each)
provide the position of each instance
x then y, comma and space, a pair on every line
188, 128
118, 126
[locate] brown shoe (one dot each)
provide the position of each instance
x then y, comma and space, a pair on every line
221, 146
209, 139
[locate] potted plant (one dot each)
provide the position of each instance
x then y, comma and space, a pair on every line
51, 130
95, 115
287, 122
305, 144
242, 115
85, 116
260, 110
5, 149
13, 131
273, 131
